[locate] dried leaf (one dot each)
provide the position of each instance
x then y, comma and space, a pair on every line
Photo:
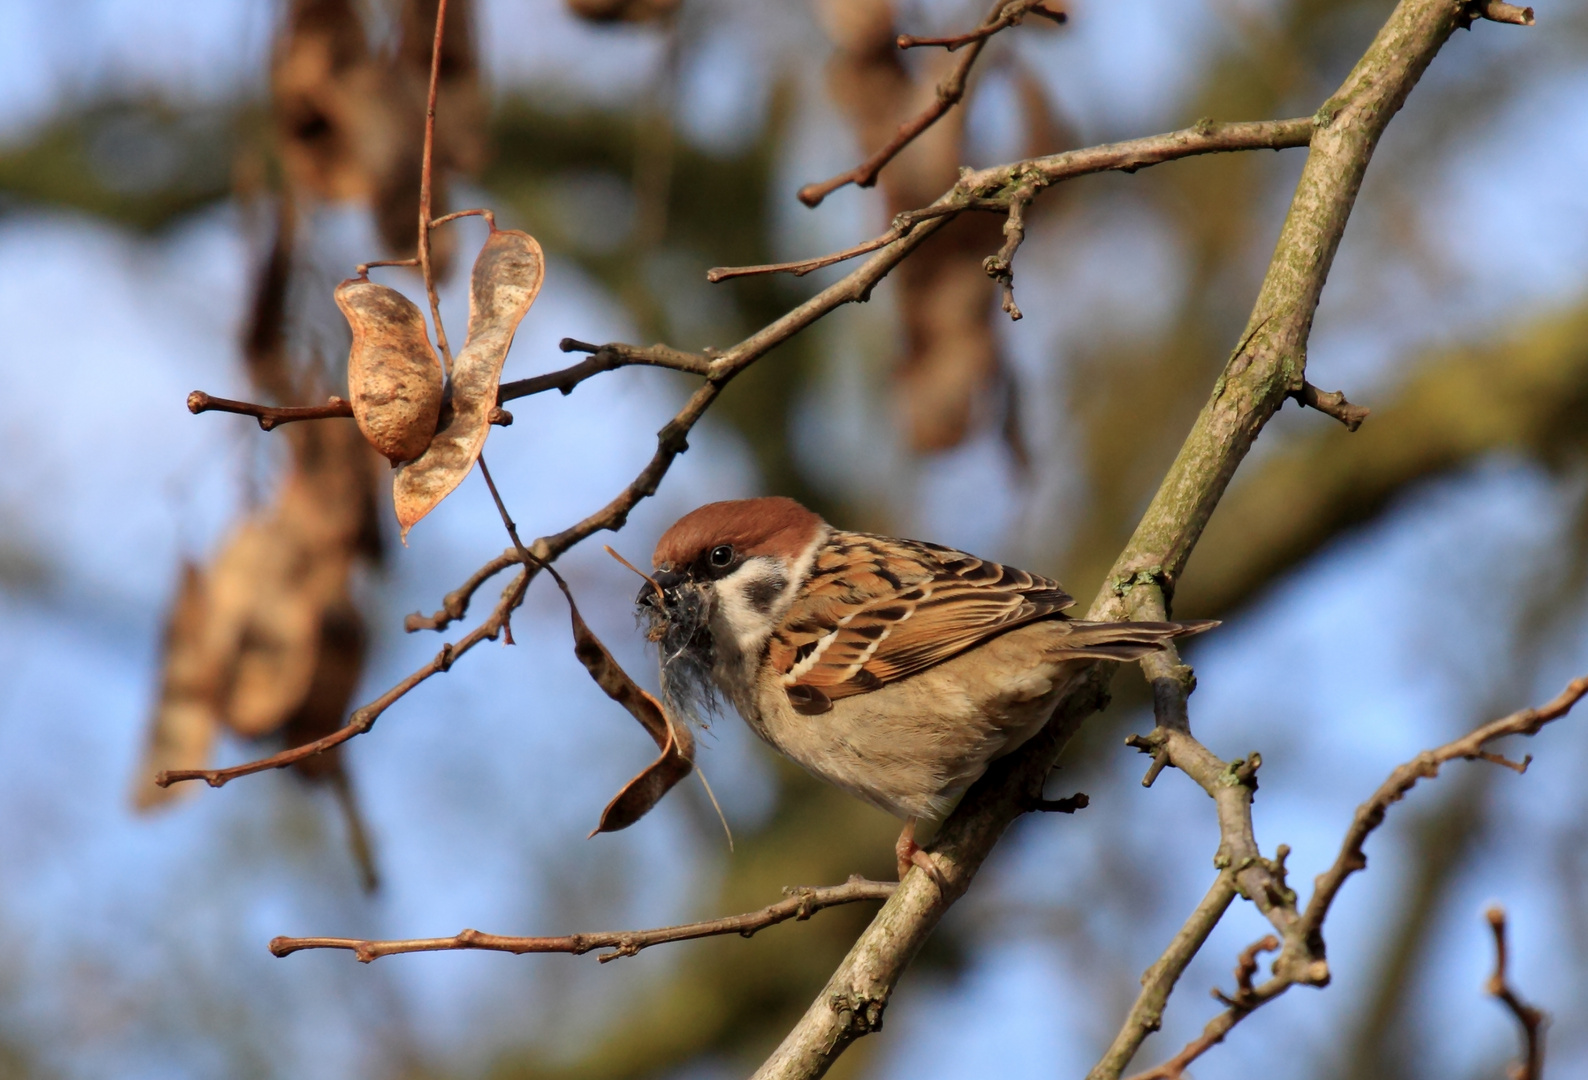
674, 740
182, 730
507, 277
393, 375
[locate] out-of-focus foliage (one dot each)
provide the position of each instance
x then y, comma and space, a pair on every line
1148, 280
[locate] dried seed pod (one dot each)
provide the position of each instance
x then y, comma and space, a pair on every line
507, 278
393, 376
675, 742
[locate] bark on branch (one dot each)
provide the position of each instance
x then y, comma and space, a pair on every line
1268, 366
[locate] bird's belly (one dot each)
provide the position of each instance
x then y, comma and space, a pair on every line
913, 746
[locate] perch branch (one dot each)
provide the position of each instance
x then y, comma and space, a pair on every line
801, 903
1255, 383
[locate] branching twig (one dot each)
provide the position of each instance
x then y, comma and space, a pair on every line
363, 718
993, 189
1302, 958
1370, 815
1531, 1020
1013, 15
1001, 267
608, 357
949, 92
802, 903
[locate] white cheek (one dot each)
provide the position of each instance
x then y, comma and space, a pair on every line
749, 601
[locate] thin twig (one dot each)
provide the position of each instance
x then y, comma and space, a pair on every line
1301, 959
608, 357
1001, 267
1531, 1020
273, 416
949, 92
801, 903
364, 717
1013, 15
992, 189
269, 416
1332, 403
426, 171
456, 603
1500, 12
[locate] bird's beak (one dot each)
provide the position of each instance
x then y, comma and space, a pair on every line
667, 579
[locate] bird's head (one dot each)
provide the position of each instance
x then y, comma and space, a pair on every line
725, 574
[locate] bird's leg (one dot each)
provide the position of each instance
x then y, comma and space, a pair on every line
910, 854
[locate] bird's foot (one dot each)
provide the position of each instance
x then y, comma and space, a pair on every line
911, 854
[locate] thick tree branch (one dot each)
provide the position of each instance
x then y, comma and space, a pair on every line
802, 902
1259, 376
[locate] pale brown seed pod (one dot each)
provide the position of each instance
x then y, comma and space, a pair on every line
393, 376
507, 278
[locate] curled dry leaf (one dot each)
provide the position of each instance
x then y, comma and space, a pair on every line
507, 277
393, 375
675, 742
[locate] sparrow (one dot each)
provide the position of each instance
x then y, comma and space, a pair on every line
894, 669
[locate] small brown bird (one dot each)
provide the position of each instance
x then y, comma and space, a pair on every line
895, 669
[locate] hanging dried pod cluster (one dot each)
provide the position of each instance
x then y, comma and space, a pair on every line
432, 429
396, 388
507, 278
266, 641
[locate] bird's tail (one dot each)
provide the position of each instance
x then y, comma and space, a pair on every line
1121, 640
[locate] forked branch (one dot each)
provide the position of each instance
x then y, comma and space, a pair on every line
950, 90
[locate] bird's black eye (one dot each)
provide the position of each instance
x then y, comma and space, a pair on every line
720, 556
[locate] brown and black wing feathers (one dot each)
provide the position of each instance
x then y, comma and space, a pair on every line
877, 609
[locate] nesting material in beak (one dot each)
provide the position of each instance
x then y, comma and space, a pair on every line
677, 616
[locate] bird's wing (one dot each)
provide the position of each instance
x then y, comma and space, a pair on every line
877, 609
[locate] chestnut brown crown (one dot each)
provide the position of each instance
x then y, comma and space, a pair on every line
773, 525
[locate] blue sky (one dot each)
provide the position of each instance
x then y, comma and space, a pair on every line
127, 941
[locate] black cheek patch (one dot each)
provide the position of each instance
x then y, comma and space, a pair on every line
764, 592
